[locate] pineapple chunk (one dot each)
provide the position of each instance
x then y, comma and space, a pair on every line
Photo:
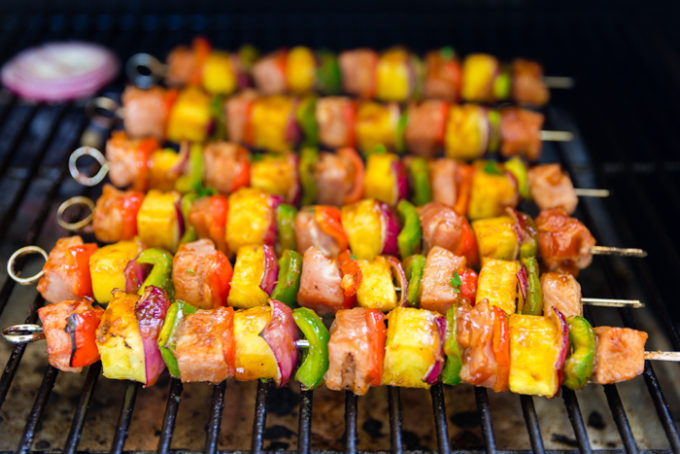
254, 358
300, 70
107, 266
376, 125
479, 71
363, 225
412, 348
269, 120
379, 182
119, 341
245, 284
534, 351
393, 80
376, 290
491, 192
190, 116
218, 73
161, 175
250, 216
466, 132
157, 221
496, 238
498, 284
275, 175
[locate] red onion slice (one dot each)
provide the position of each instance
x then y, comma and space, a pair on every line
297, 189
433, 374
271, 270
400, 179
135, 273
293, 130
523, 282
60, 71
183, 160
400, 274
150, 312
281, 334
390, 230
563, 340
180, 217
272, 232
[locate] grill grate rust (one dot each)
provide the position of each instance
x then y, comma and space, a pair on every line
601, 127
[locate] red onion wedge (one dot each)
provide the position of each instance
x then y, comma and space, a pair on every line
390, 230
433, 374
293, 131
150, 311
60, 71
563, 344
399, 273
135, 273
297, 190
180, 218
281, 334
400, 179
271, 270
272, 232
183, 160
523, 282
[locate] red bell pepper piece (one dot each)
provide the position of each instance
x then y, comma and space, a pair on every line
80, 264
242, 178
501, 348
445, 113
351, 278
202, 49
220, 280
129, 207
358, 187
329, 221
376, 335
467, 244
468, 286
349, 113
82, 327
464, 174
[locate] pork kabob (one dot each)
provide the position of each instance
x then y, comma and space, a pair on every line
281, 123
141, 332
325, 177
393, 75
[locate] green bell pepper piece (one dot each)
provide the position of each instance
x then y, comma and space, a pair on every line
161, 272
166, 338
285, 224
315, 358
306, 118
288, 282
414, 266
579, 365
533, 303
454, 355
529, 246
217, 113
399, 140
419, 180
248, 55
328, 74
503, 84
308, 158
193, 180
409, 237
494, 117
189, 229
518, 169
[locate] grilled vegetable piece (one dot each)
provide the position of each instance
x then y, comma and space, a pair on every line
107, 268
496, 238
269, 126
397, 75
251, 270
483, 336
385, 178
288, 282
436, 292
227, 166
285, 228
537, 352
619, 355
252, 219
314, 362
411, 233
205, 345
66, 272
561, 291
320, 283
414, 349
579, 365
419, 180
254, 358
219, 73
376, 290
530, 287
300, 70
452, 350
277, 175
190, 116
467, 132
363, 224
479, 75
69, 328
167, 339
443, 227
414, 267
521, 133
552, 188
150, 267
498, 284
493, 190
115, 214
356, 350
119, 339
201, 275
564, 243
159, 222
426, 127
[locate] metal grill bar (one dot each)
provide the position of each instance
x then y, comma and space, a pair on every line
13, 143
394, 403
531, 420
260, 417
174, 397
619, 414
216, 407
350, 422
576, 418
123, 424
305, 423
37, 410
76, 430
485, 416
439, 409
662, 408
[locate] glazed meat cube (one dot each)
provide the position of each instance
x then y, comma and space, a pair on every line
564, 243
145, 113
561, 291
619, 355
320, 283
552, 188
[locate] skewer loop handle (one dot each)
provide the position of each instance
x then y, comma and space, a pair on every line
19, 253
75, 201
104, 110
84, 179
626, 252
145, 70
23, 334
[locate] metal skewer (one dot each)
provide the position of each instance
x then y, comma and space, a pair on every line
662, 356
587, 192
556, 136
612, 302
560, 82
625, 252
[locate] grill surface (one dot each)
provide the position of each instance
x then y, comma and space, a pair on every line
623, 108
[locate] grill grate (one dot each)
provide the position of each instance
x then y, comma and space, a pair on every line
634, 157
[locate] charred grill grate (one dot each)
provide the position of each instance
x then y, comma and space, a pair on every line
36, 140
